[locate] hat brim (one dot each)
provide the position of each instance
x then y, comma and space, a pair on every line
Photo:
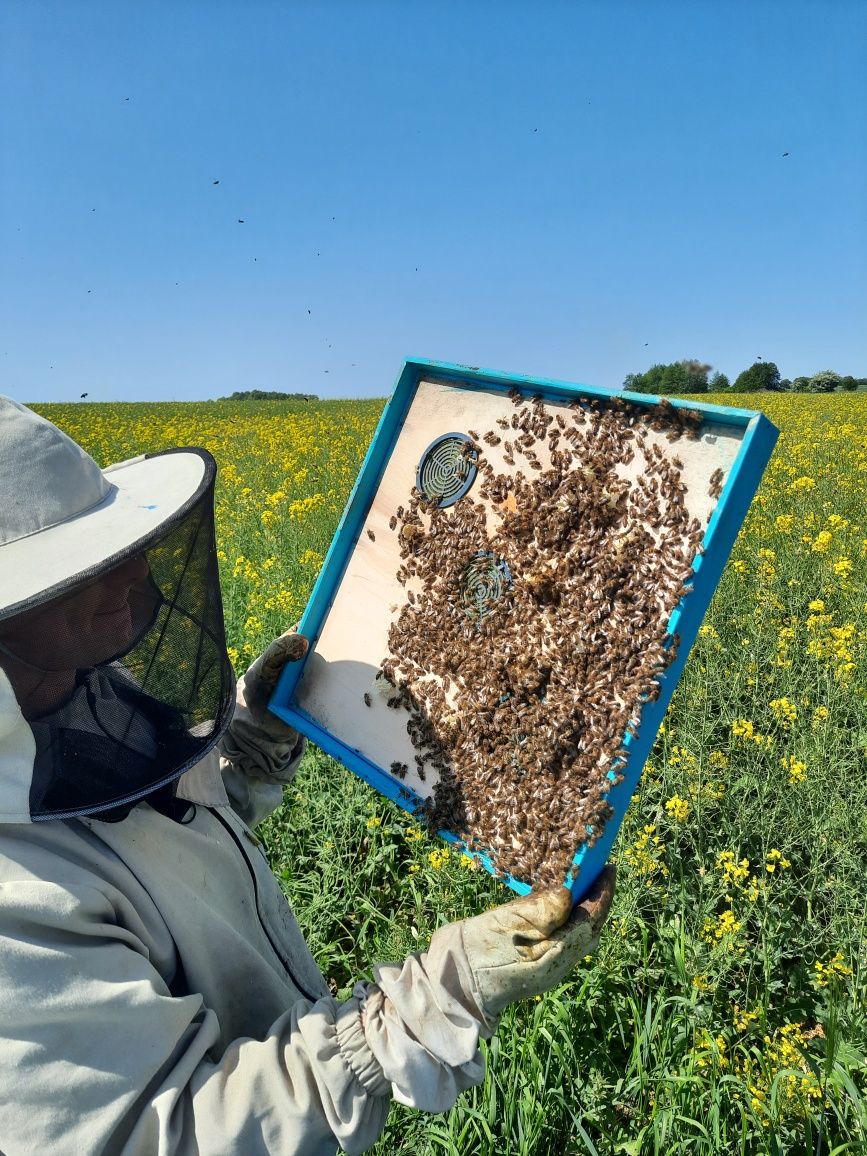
147, 494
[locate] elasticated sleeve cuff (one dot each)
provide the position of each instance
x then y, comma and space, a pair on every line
356, 1051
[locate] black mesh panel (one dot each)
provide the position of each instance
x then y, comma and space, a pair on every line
150, 688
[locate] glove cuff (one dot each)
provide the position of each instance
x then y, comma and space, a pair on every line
489, 1018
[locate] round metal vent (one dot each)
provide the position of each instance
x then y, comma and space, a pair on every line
447, 469
485, 580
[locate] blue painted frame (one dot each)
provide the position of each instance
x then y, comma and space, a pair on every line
743, 480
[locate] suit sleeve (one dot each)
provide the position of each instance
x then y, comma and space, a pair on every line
98, 1055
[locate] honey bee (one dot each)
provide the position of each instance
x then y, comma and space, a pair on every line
371, 535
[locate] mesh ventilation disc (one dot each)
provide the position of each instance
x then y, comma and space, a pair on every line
447, 469
486, 579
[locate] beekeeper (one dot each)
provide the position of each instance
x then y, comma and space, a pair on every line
156, 994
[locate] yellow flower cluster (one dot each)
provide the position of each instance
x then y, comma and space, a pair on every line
743, 729
774, 859
741, 1018
677, 808
797, 770
834, 969
439, 857
723, 927
820, 714
735, 872
835, 643
645, 855
710, 1050
822, 542
785, 711
310, 558
784, 1062
802, 483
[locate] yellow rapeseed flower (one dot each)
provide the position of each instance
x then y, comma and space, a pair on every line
785, 711
796, 769
834, 969
677, 808
743, 1018
775, 859
822, 542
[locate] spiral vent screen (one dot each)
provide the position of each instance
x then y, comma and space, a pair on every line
486, 579
447, 469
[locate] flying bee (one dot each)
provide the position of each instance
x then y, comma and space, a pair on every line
371, 535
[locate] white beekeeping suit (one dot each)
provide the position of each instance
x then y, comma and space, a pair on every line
157, 995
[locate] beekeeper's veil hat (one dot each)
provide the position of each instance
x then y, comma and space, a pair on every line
111, 622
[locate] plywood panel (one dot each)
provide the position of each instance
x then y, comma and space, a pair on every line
340, 677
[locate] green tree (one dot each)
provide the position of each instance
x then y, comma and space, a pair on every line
825, 381
799, 385
696, 376
760, 375
686, 376
719, 382
849, 382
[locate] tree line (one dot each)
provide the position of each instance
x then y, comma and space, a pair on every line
267, 395
691, 376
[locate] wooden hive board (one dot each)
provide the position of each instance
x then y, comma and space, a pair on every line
336, 696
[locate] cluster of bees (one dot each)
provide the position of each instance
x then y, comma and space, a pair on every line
521, 708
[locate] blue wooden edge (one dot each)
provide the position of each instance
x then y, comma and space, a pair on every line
743, 480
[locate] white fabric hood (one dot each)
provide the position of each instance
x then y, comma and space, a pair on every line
17, 754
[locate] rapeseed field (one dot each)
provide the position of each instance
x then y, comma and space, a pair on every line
726, 1010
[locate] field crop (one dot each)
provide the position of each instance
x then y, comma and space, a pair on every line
726, 1009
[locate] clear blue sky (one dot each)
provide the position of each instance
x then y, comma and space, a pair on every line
574, 190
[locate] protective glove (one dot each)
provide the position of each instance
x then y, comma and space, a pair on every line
529, 945
258, 683
256, 740
423, 1018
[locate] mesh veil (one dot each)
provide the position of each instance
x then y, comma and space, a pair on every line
150, 689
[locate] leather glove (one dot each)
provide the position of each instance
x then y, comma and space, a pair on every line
529, 945
257, 740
